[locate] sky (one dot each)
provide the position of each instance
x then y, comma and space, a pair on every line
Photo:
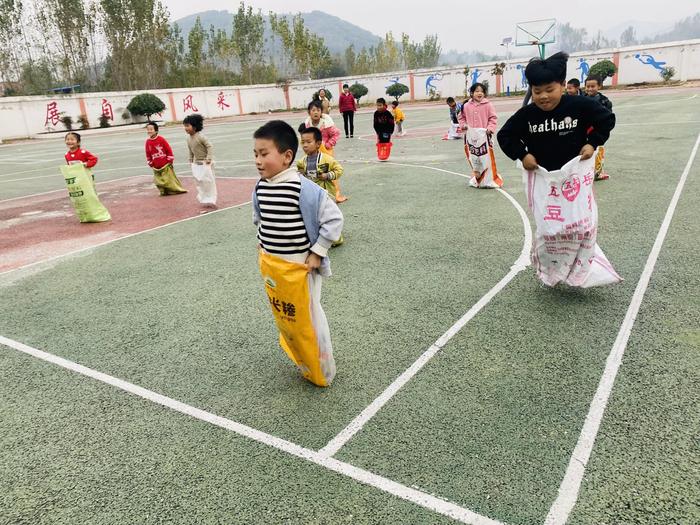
461, 25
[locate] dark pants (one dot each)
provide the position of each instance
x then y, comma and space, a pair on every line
384, 138
349, 119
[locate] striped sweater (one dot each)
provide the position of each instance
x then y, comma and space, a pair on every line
281, 230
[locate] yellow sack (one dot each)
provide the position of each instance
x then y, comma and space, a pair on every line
81, 189
287, 287
599, 160
166, 181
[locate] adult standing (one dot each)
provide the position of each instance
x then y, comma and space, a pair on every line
347, 106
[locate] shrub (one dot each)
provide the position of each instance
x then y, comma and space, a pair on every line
67, 121
668, 73
358, 91
84, 122
104, 121
396, 90
145, 104
602, 69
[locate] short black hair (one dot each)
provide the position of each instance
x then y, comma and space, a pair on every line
345, 85
314, 104
595, 78
395, 103
155, 126
195, 120
478, 85
318, 137
281, 134
381, 100
574, 82
75, 134
450, 100
544, 71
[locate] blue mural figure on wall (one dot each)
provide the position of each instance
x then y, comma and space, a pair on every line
475, 76
584, 67
649, 60
394, 80
523, 78
429, 82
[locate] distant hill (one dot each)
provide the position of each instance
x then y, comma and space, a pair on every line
337, 33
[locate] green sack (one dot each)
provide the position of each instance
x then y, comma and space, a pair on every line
81, 189
166, 181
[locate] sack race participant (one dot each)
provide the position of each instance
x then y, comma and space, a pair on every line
294, 295
297, 223
201, 159
159, 156
81, 189
479, 151
455, 131
566, 216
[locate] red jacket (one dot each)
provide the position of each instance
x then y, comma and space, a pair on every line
81, 155
158, 152
347, 103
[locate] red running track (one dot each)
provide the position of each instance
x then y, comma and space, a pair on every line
40, 227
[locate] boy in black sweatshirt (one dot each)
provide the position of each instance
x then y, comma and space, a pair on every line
383, 122
593, 85
554, 129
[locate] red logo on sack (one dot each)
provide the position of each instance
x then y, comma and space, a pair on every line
570, 188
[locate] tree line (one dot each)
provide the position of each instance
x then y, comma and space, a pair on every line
107, 45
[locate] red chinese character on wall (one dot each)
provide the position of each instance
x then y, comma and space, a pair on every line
52, 113
554, 214
188, 104
107, 109
221, 101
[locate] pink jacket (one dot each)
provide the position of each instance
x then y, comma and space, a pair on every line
478, 115
329, 132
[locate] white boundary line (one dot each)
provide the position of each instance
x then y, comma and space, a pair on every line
523, 261
418, 497
571, 484
94, 246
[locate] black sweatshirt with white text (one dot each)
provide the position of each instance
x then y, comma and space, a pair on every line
557, 136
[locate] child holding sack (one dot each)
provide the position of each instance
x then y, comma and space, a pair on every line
553, 139
323, 122
81, 182
478, 120
159, 156
297, 223
201, 153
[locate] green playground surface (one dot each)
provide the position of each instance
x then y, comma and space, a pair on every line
483, 433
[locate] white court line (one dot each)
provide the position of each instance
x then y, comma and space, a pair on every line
668, 101
522, 262
98, 171
365, 477
571, 484
68, 254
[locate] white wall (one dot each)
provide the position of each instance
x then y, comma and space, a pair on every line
27, 116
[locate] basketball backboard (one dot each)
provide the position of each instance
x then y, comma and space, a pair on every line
535, 32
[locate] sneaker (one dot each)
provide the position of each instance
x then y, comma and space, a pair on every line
340, 198
602, 176
347, 136
352, 136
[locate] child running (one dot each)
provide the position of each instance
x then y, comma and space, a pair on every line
399, 117
593, 85
297, 224
159, 156
318, 119
78, 155
455, 109
201, 158
478, 120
